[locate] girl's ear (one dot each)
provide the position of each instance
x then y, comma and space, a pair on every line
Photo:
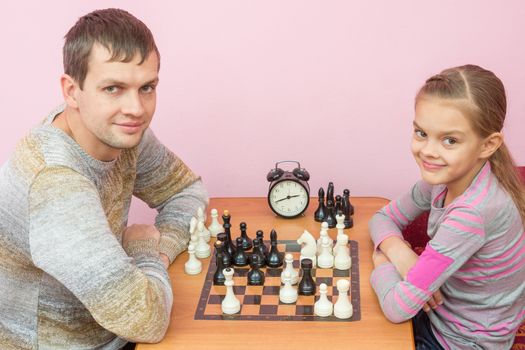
69, 88
491, 144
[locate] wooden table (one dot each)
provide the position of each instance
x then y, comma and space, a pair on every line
373, 331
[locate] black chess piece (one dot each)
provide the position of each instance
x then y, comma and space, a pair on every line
320, 213
227, 230
240, 258
246, 241
330, 216
227, 259
275, 258
307, 285
330, 192
261, 262
338, 206
346, 197
218, 276
260, 235
348, 209
255, 276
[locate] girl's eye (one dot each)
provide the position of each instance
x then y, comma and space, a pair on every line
420, 133
449, 141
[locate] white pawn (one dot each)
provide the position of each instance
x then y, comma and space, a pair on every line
340, 238
342, 260
325, 260
288, 259
323, 307
193, 226
193, 266
201, 230
230, 304
343, 307
323, 233
288, 293
340, 219
202, 250
215, 227
202, 219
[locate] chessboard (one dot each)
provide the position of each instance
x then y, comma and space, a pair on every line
261, 303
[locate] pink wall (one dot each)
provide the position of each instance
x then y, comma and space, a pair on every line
247, 83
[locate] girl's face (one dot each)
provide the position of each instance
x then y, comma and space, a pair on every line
445, 146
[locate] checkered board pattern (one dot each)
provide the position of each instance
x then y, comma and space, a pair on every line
261, 303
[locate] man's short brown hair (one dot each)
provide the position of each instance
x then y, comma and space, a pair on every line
117, 30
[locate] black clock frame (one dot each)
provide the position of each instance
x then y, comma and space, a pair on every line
289, 176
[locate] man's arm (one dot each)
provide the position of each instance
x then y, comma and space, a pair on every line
165, 183
70, 239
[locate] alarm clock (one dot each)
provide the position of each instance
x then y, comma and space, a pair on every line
289, 192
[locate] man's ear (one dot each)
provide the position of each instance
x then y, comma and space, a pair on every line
491, 144
69, 89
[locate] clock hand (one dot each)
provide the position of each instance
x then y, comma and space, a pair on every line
287, 197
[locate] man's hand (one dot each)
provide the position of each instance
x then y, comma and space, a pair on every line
140, 232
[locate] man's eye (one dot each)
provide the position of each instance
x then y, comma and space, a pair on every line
148, 88
420, 133
111, 89
449, 141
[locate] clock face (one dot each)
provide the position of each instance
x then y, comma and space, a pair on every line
288, 198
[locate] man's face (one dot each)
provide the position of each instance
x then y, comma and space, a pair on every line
116, 103
445, 146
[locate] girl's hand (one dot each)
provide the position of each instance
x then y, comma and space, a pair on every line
379, 258
435, 300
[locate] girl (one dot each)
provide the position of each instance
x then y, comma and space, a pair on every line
470, 277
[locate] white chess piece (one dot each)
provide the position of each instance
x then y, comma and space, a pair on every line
201, 219
342, 260
288, 293
340, 219
193, 226
230, 304
309, 248
340, 238
323, 307
323, 233
325, 260
203, 249
201, 230
343, 307
193, 266
288, 259
215, 227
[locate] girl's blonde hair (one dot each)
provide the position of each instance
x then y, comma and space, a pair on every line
481, 97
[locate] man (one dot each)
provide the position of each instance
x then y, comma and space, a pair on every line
72, 274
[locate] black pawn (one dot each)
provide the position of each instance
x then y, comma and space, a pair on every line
330, 192
330, 217
218, 276
240, 258
346, 199
307, 284
275, 258
255, 276
260, 236
261, 261
338, 207
227, 230
246, 241
227, 259
320, 213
